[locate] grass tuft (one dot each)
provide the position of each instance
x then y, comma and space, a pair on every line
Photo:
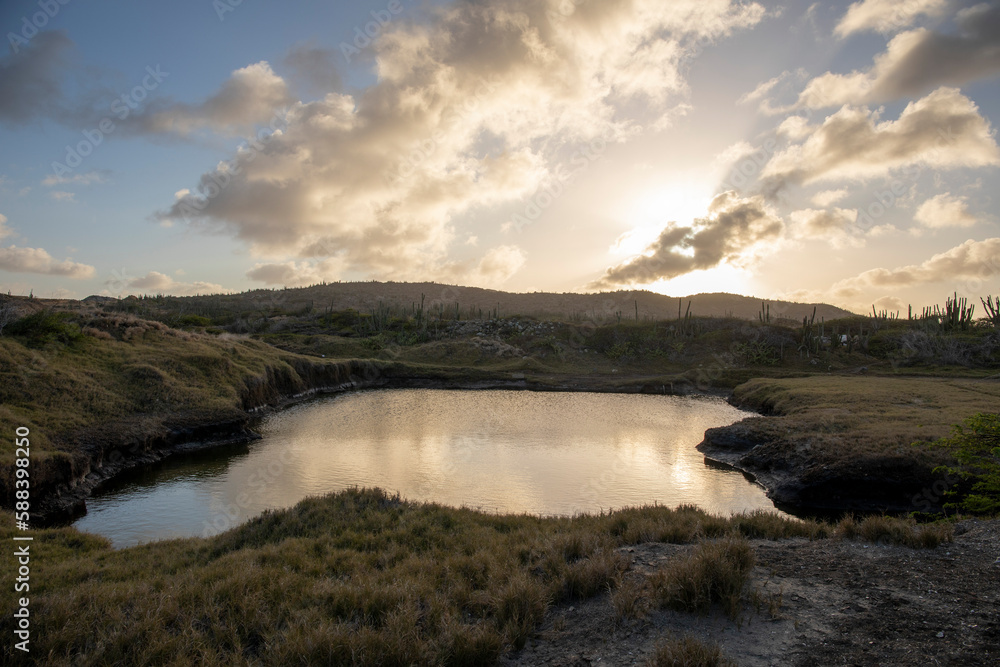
688, 652
887, 530
717, 572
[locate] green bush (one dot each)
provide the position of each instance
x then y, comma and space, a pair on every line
976, 448
45, 327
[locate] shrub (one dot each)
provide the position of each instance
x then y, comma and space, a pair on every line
976, 447
44, 327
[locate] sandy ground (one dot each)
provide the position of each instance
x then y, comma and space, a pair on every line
843, 603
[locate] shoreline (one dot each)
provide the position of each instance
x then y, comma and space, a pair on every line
67, 501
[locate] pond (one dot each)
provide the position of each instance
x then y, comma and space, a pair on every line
542, 453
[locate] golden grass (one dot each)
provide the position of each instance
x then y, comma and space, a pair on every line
688, 652
716, 573
361, 577
132, 385
880, 412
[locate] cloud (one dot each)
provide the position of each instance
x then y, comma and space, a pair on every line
4, 230
781, 83
890, 304
479, 107
296, 274
313, 69
62, 196
30, 81
945, 211
160, 283
972, 260
495, 268
732, 233
36, 260
915, 62
88, 178
250, 97
835, 226
886, 16
827, 197
944, 130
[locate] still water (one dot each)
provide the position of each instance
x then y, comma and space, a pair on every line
497, 451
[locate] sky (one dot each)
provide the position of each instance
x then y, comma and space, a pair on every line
811, 151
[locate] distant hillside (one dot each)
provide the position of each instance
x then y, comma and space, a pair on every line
364, 296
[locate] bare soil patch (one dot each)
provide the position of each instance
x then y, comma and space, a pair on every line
843, 603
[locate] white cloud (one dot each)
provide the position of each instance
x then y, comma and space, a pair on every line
160, 283
251, 97
835, 226
915, 62
944, 210
972, 260
496, 267
296, 274
886, 16
478, 108
735, 231
88, 178
36, 260
828, 197
62, 196
944, 130
4, 230
795, 128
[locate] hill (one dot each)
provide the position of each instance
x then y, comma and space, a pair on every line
365, 296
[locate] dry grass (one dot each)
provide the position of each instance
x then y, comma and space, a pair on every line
628, 599
126, 383
360, 577
848, 416
716, 573
890, 530
688, 652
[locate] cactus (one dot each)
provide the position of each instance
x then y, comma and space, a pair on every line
992, 309
765, 313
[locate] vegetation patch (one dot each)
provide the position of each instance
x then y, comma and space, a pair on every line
363, 576
688, 652
975, 446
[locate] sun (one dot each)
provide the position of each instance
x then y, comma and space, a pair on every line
680, 203
722, 278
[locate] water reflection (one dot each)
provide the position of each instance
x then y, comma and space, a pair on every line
503, 451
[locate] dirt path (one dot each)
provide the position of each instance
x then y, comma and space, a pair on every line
843, 603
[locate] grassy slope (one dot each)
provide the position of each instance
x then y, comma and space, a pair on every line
847, 435
134, 382
852, 416
362, 578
